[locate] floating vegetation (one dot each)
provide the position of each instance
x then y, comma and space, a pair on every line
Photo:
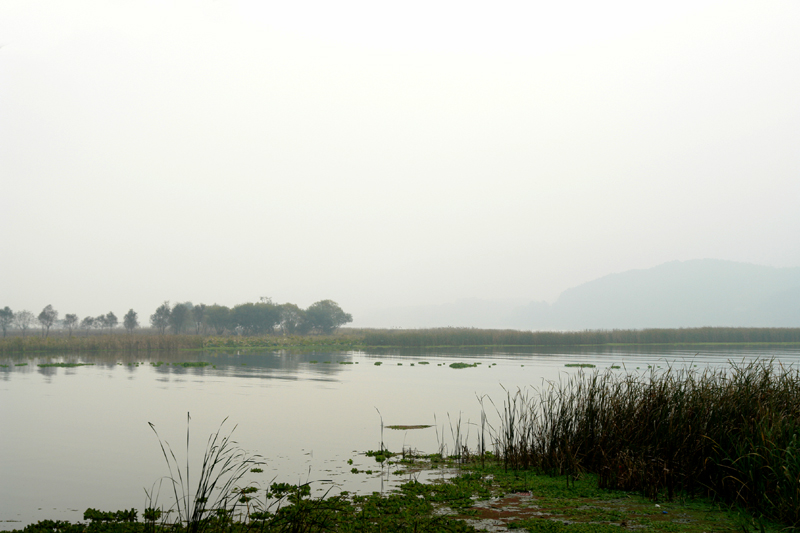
402, 427
579, 365
378, 363
380, 455
615, 367
193, 364
345, 362
256, 470
64, 365
463, 365
20, 364
156, 364
423, 363
313, 362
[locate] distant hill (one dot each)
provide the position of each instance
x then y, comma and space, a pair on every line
703, 292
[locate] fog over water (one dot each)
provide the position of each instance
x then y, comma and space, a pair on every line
387, 154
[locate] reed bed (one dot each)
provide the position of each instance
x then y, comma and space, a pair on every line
509, 337
145, 342
730, 434
101, 343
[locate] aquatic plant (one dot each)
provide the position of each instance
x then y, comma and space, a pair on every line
224, 465
731, 434
463, 365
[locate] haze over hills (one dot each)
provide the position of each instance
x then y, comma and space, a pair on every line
703, 292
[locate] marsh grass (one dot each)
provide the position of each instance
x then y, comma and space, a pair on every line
216, 494
730, 434
500, 337
116, 342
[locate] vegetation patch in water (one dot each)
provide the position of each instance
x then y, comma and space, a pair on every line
417, 426
463, 365
579, 365
194, 364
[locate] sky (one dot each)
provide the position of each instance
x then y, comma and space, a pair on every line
386, 154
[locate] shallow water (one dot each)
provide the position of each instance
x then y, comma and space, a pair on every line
73, 438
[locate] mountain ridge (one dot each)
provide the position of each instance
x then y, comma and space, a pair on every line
692, 293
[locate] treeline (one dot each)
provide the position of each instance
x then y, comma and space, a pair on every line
261, 318
498, 337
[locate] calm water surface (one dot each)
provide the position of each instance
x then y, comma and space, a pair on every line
73, 438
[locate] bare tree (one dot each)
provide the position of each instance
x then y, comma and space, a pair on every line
23, 321
47, 318
70, 322
199, 316
130, 321
6, 318
99, 322
87, 323
160, 319
111, 321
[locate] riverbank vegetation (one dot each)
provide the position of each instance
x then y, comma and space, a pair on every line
731, 435
353, 339
509, 337
478, 499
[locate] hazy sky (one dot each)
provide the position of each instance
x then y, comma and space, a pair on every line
387, 153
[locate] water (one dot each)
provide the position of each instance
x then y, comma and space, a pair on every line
73, 438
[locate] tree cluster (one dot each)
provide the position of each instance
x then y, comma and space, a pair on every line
23, 320
259, 318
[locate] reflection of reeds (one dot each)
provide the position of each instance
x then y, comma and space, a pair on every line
499, 337
732, 434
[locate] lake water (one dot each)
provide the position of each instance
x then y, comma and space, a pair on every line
73, 438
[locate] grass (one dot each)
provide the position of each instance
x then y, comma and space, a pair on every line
477, 497
351, 339
441, 337
224, 465
730, 435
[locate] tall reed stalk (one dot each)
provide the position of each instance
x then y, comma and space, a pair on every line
224, 465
